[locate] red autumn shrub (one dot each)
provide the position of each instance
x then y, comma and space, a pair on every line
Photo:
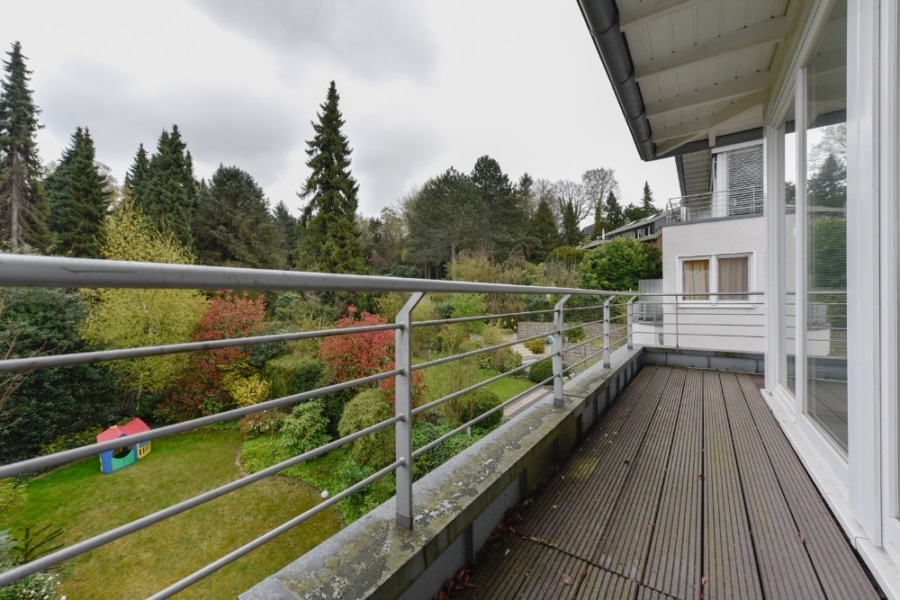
357, 355
199, 390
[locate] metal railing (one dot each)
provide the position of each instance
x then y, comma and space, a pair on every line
587, 327
716, 205
717, 323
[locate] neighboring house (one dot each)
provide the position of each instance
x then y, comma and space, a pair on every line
648, 229
808, 92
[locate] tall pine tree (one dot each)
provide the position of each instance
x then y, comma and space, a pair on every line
168, 192
22, 209
329, 238
78, 199
543, 236
136, 178
647, 202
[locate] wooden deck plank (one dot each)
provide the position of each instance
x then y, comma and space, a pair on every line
753, 526
674, 562
587, 519
623, 548
555, 500
729, 562
784, 566
837, 566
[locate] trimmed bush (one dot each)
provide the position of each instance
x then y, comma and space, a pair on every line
541, 370
477, 403
292, 374
305, 429
366, 409
536, 346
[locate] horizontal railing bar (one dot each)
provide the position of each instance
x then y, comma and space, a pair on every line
112, 535
18, 270
60, 458
271, 535
64, 360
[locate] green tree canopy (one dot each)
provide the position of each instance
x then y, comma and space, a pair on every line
441, 219
48, 403
502, 223
287, 224
543, 236
828, 187
22, 208
618, 265
125, 318
329, 239
137, 177
167, 192
233, 226
78, 199
613, 211
571, 232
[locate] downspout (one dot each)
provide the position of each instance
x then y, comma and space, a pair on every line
602, 18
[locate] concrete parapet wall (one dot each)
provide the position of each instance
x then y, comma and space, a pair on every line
456, 506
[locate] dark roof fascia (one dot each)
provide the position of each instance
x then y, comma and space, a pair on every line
602, 19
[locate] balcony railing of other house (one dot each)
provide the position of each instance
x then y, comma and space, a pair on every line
716, 205
584, 328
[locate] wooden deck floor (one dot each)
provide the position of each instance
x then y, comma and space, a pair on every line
686, 489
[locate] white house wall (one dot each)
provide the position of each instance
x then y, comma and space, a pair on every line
717, 325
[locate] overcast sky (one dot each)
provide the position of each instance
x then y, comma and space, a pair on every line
424, 85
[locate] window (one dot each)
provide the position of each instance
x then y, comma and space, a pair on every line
696, 279
734, 277
723, 278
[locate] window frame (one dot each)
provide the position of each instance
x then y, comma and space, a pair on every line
713, 295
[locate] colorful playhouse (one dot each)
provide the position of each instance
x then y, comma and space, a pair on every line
119, 458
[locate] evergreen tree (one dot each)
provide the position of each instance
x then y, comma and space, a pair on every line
287, 225
233, 225
136, 178
828, 187
503, 221
329, 239
169, 193
647, 202
633, 212
78, 199
22, 209
571, 234
614, 213
543, 236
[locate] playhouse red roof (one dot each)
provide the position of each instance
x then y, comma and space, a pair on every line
117, 431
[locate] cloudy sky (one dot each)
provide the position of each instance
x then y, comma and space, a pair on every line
424, 85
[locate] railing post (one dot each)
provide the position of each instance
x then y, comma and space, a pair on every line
403, 407
559, 323
631, 322
606, 345
676, 320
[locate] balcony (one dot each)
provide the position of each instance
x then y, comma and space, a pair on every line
724, 204
667, 463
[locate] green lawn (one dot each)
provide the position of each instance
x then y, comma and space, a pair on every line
508, 387
84, 502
